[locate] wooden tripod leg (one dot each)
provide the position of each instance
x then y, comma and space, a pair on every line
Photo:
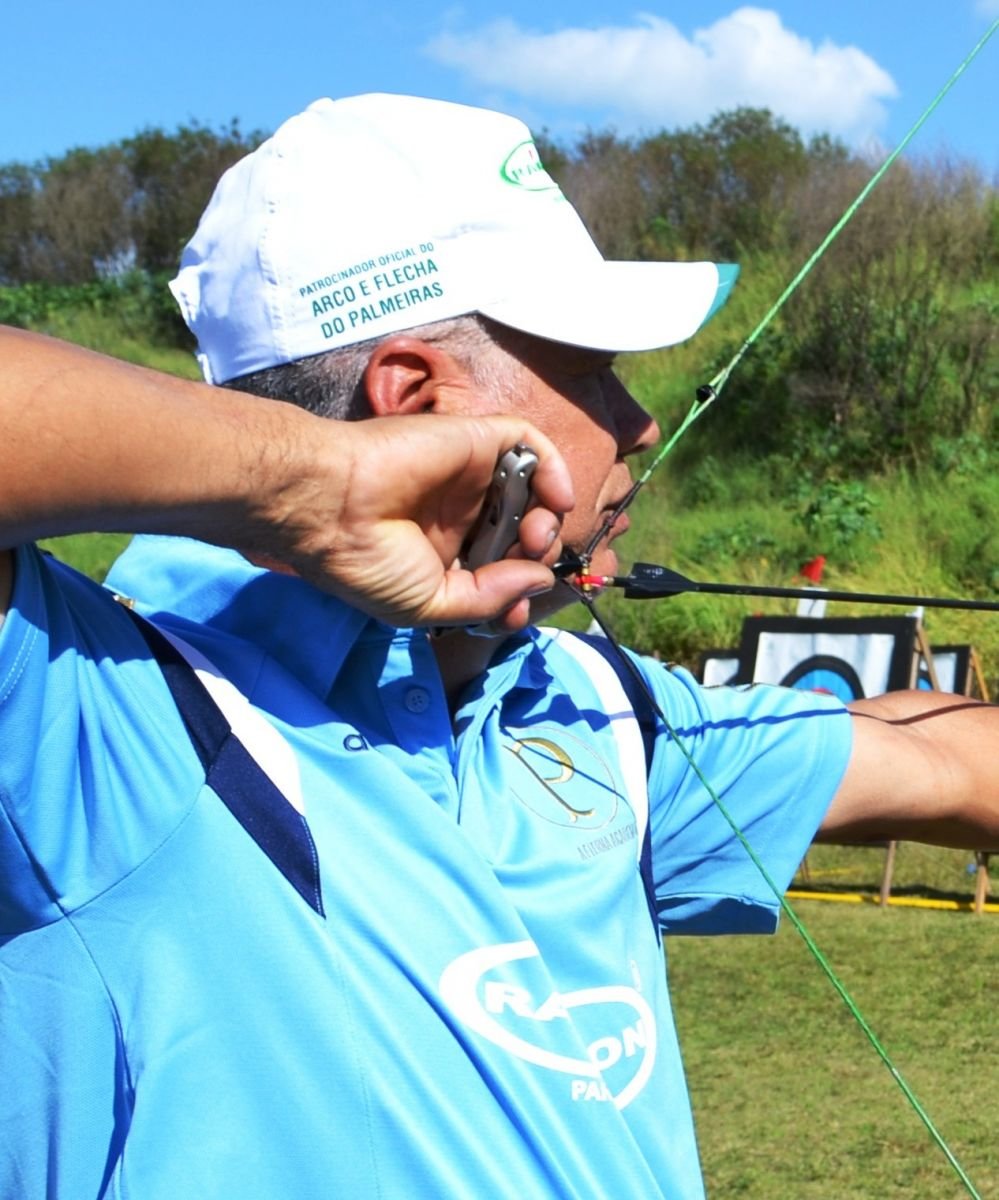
886, 877
981, 879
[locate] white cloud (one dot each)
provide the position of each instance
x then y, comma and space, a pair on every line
648, 75
987, 8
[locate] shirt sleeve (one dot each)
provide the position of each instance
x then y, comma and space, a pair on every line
737, 774
96, 769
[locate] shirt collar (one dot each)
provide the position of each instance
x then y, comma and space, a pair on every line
519, 663
309, 632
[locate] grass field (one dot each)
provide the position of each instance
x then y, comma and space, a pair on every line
791, 1101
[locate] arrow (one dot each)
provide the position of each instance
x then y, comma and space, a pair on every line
650, 582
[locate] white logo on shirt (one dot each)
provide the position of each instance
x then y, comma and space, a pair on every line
617, 1064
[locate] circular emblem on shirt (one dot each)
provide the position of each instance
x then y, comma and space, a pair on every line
561, 778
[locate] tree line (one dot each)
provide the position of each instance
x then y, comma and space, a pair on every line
93, 214
890, 350
891, 347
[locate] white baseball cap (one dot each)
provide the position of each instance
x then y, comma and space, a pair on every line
374, 214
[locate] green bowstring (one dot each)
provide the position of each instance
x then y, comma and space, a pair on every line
706, 395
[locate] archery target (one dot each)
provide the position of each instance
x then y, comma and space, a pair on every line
846, 657
825, 673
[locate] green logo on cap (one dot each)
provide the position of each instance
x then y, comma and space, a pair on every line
523, 168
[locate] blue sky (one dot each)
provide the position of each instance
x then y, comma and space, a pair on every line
87, 74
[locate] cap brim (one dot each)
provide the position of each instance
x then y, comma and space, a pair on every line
619, 306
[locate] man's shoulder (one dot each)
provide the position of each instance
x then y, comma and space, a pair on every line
70, 643
97, 768
49, 598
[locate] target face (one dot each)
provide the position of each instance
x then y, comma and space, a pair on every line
845, 657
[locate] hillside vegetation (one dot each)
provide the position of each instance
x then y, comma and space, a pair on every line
862, 426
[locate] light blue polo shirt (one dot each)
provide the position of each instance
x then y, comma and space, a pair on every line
475, 1001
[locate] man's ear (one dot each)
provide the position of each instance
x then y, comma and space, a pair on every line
407, 375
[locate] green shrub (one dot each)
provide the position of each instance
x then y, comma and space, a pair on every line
837, 515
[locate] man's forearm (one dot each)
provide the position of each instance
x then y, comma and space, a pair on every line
374, 511
91, 443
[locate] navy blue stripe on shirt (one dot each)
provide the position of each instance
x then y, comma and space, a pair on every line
280, 831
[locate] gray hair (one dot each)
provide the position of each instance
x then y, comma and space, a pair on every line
332, 384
